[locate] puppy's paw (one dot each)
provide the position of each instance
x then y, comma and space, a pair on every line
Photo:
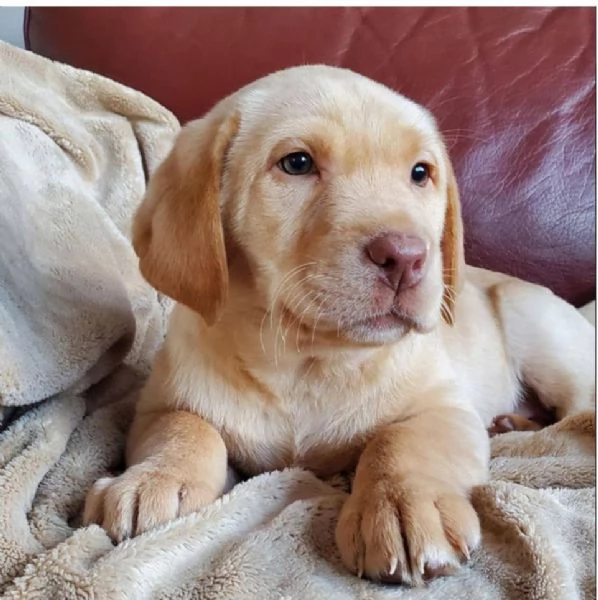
406, 532
512, 422
143, 498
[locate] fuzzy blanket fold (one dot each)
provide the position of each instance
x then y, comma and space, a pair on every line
74, 150
78, 329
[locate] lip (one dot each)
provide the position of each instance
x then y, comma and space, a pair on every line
387, 320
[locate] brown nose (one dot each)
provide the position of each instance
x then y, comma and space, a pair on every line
400, 258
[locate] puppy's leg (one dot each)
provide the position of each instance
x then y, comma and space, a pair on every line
409, 516
552, 345
177, 464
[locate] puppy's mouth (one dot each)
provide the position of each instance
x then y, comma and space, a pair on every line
376, 317
392, 322
393, 319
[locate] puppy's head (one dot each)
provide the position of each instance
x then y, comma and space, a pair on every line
335, 193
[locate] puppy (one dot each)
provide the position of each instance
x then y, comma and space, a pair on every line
309, 228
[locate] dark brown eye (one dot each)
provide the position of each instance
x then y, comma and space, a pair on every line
420, 174
297, 163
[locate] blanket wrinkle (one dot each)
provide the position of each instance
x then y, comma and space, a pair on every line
78, 331
75, 153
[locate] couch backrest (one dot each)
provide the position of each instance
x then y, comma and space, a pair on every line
513, 90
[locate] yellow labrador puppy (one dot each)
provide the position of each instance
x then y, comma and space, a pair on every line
309, 228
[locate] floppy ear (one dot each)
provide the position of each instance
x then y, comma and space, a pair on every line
453, 254
177, 231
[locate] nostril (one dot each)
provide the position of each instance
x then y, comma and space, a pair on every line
382, 251
389, 263
418, 265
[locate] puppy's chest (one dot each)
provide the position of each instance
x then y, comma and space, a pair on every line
322, 428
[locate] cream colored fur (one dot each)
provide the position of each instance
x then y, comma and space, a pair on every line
273, 536
285, 349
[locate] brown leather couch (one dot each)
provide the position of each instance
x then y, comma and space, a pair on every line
513, 89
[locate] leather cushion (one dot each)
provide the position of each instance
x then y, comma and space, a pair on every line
513, 89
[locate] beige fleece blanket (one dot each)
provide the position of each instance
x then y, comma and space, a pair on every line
75, 151
78, 327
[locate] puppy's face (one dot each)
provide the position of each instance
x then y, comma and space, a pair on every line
337, 193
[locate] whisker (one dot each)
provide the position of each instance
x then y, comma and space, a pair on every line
283, 331
279, 327
294, 271
309, 305
319, 314
299, 318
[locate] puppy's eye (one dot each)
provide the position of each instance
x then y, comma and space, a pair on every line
297, 163
420, 174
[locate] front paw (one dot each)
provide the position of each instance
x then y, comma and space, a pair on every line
143, 498
406, 531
